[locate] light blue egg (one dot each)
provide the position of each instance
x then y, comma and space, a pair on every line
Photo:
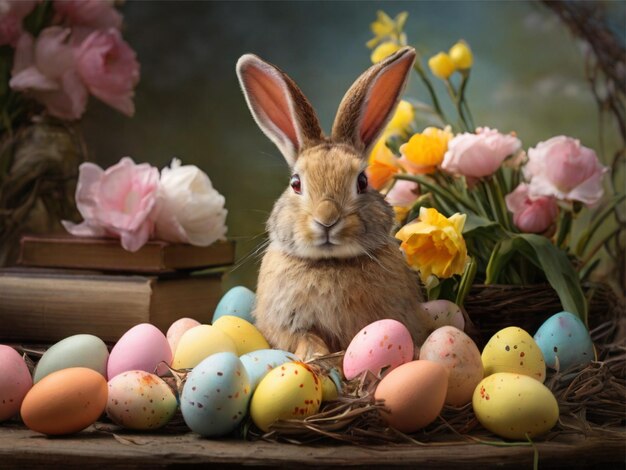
216, 395
238, 302
74, 351
259, 363
565, 338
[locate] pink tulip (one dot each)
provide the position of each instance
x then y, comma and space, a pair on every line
118, 202
403, 194
12, 13
479, 155
109, 69
87, 15
531, 215
44, 68
563, 168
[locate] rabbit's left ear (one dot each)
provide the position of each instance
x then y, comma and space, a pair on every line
370, 102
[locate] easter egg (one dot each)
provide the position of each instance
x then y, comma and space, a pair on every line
514, 350
259, 363
243, 333
414, 394
564, 341
199, 343
140, 400
177, 330
383, 343
444, 313
15, 382
75, 351
456, 351
216, 395
290, 391
65, 402
513, 405
143, 347
238, 302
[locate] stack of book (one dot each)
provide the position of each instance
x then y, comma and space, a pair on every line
67, 285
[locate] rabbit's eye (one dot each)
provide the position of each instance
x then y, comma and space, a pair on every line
296, 185
361, 183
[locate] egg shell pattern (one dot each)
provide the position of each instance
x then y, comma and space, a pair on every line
259, 363
199, 343
238, 301
15, 382
177, 330
65, 402
140, 400
243, 333
456, 351
380, 344
290, 391
513, 405
414, 394
143, 347
565, 338
74, 351
444, 313
216, 395
514, 350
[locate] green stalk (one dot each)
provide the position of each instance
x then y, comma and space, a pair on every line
456, 99
436, 189
586, 237
565, 225
466, 282
431, 91
496, 200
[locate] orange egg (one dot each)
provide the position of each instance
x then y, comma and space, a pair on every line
65, 402
414, 394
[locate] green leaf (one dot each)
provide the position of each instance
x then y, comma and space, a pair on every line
585, 238
500, 256
466, 282
474, 222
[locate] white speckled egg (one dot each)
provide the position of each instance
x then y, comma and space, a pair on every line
199, 343
178, 329
216, 395
444, 313
143, 347
15, 382
259, 363
514, 350
243, 333
564, 341
237, 302
140, 400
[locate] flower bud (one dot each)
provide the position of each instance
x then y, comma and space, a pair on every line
461, 56
383, 51
441, 65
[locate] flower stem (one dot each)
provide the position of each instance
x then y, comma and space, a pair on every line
431, 91
565, 225
456, 98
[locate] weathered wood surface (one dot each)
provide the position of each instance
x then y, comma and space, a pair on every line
24, 449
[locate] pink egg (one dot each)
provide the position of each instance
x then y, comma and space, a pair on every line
143, 347
178, 329
15, 382
384, 343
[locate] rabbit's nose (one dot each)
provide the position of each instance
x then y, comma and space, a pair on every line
326, 213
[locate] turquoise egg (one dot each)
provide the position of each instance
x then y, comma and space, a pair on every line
74, 351
237, 302
259, 363
564, 339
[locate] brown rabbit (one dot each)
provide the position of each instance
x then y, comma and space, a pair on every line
332, 265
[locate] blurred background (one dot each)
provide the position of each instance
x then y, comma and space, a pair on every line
528, 77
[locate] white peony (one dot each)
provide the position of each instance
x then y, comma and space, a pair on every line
190, 209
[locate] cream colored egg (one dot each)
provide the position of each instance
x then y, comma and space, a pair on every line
515, 405
199, 343
245, 335
514, 350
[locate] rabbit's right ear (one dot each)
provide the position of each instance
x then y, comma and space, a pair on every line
278, 106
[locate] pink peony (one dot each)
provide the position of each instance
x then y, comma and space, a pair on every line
12, 13
403, 194
117, 202
44, 68
531, 215
563, 168
109, 69
94, 14
479, 155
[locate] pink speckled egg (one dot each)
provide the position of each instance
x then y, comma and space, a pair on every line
143, 347
178, 329
384, 343
15, 382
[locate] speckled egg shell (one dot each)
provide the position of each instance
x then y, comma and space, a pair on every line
216, 395
564, 341
199, 343
237, 302
15, 382
444, 313
143, 347
514, 350
259, 363
457, 352
383, 343
245, 335
177, 330
140, 400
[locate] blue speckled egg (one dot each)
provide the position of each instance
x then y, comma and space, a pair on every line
259, 363
237, 302
563, 338
216, 395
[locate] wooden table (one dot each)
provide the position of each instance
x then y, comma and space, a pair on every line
24, 449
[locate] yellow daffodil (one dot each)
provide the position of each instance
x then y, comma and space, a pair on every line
441, 65
383, 51
424, 152
400, 213
461, 56
382, 164
401, 120
387, 29
434, 244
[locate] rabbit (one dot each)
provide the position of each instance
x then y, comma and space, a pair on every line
332, 265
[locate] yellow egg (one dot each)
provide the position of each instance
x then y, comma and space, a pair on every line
329, 389
290, 391
199, 343
243, 333
514, 350
514, 405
